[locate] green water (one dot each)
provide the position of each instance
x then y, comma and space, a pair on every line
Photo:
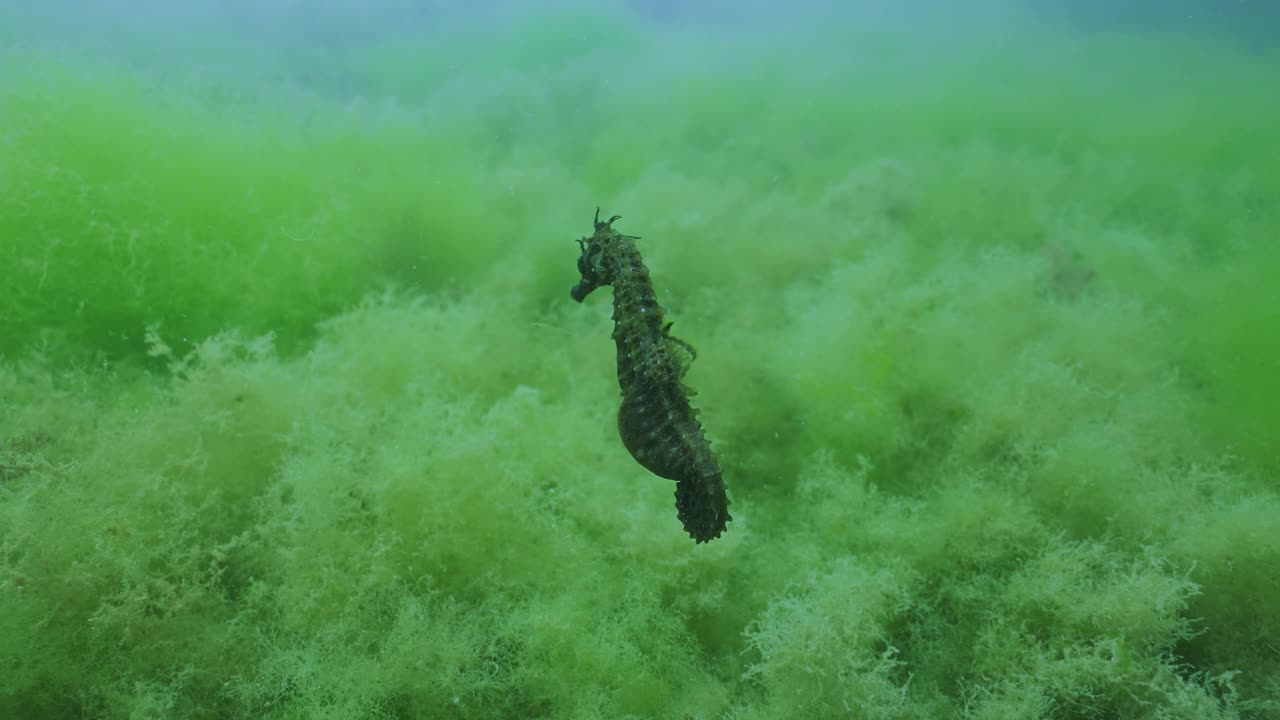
298, 420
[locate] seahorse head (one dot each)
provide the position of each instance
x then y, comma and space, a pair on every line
596, 263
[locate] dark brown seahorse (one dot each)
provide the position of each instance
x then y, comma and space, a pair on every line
657, 424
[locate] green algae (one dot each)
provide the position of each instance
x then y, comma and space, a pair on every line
297, 422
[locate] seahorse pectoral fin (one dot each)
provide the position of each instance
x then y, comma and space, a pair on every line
682, 351
683, 356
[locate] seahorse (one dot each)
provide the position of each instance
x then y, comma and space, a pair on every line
656, 421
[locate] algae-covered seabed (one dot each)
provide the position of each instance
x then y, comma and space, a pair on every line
299, 419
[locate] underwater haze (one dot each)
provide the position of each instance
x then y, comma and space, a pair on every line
298, 418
